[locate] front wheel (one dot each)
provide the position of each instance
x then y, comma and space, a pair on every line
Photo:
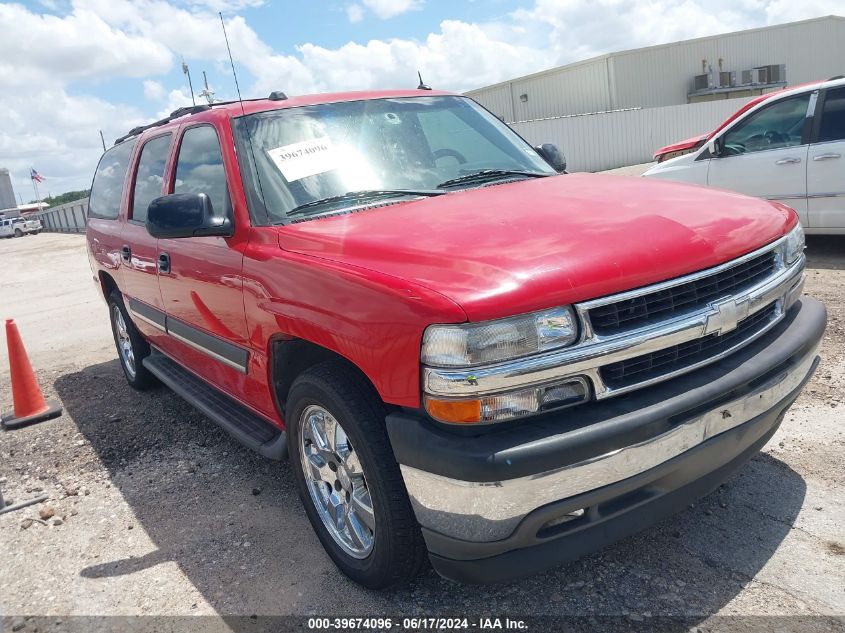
132, 349
349, 480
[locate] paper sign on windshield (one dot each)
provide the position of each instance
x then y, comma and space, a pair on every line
306, 158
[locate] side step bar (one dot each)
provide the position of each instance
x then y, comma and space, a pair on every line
245, 426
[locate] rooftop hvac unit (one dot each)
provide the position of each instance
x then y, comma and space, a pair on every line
753, 76
700, 82
775, 73
727, 79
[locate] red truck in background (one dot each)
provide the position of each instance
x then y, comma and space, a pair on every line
467, 355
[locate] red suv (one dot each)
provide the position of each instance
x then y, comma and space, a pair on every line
466, 354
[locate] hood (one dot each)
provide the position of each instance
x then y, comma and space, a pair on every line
671, 164
512, 248
689, 143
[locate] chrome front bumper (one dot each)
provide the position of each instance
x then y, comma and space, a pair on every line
489, 511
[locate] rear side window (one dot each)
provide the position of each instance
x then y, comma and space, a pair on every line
150, 176
833, 116
107, 188
199, 168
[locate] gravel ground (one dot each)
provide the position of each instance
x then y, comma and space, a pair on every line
154, 511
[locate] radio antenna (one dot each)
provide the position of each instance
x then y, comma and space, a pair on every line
422, 86
232, 62
243, 113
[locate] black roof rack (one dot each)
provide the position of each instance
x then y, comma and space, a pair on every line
179, 112
276, 95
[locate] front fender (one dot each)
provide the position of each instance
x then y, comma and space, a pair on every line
372, 319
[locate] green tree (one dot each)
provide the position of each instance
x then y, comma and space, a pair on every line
70, 196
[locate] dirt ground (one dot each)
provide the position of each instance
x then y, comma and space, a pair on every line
157, 512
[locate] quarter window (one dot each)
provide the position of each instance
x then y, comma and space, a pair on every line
776, 126
199, 168
107, 188
150, 176
833, 116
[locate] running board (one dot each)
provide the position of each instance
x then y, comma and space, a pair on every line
245, 426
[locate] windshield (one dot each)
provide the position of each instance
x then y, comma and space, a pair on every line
418, 144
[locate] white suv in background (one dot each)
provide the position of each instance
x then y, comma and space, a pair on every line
789, 147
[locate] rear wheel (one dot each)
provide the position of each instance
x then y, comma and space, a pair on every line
18, 233
349, 480
132, 349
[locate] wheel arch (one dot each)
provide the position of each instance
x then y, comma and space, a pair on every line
290, 357
107, 284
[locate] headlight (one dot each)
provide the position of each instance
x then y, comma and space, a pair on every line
794, 244
471, 344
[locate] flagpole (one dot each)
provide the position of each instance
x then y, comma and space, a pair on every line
35, 186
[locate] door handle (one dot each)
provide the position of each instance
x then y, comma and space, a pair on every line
827, 156
787, 161
163, 263
126, 253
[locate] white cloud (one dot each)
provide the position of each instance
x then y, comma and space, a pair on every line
578, 29
79, 46
153, 90
224, 5
59, 135
788, 10
354, 13
460, 56
176, 99
386, 9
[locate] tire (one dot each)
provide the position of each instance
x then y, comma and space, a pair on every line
18, 233
136, 349
397, 552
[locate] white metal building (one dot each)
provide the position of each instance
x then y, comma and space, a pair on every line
740, 64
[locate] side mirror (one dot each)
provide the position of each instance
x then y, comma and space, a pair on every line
553, 156
186, 215
714, 146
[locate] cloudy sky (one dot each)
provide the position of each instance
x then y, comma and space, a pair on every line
69, 68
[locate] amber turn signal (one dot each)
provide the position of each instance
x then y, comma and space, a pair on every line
454, 411
510, 404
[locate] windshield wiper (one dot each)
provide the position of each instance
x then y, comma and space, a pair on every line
490, 174
366, 195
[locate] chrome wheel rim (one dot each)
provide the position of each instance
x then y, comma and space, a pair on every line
336, 482
124, 343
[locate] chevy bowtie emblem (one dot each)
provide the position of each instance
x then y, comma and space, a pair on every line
727, 315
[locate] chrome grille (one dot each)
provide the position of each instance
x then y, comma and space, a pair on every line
730, 305
655, 307
677, 357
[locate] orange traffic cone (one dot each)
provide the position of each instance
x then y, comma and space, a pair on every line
30, 405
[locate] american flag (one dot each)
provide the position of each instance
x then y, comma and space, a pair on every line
35, 175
